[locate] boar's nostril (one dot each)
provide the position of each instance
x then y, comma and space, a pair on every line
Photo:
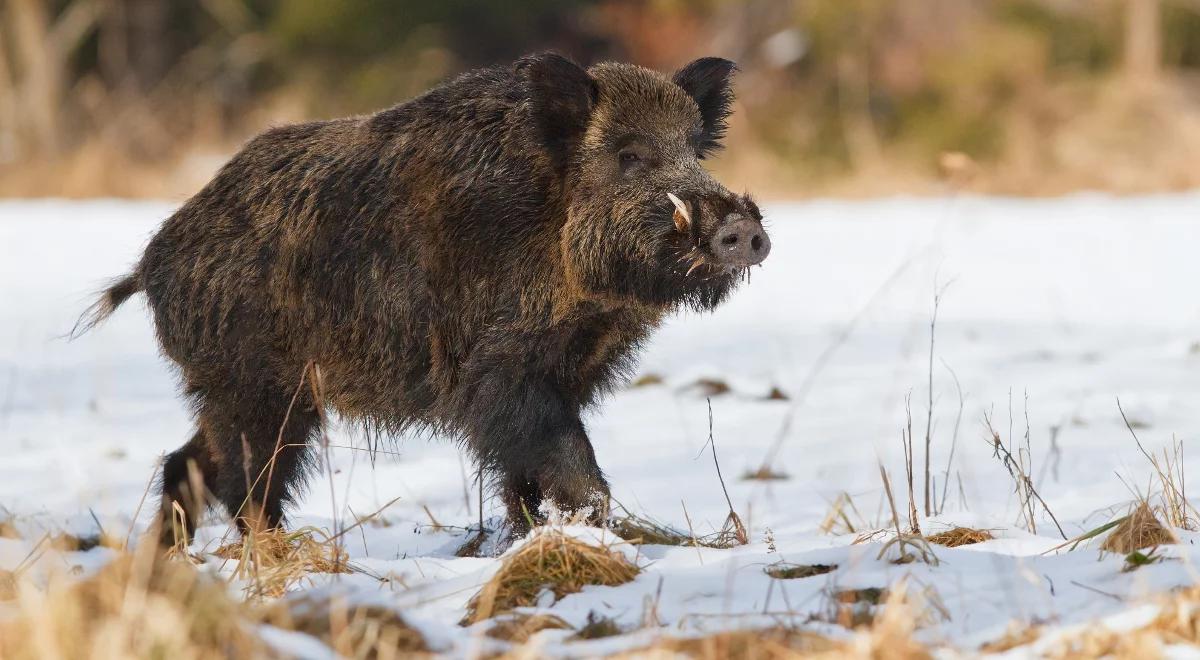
756, 243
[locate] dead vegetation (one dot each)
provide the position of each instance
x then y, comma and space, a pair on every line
960, 536
549, 561
518, 628
880, 633
1140, 529
789, 571
1168, 468
138, 606
273, 561
883, 625
646, 380
1177, 623
598, 627
1019, 466
837, 519
708, 387
366, 632
765, 644
641, 530
764, 473
1016, 636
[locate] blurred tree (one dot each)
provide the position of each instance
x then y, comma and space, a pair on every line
1143, 41
827, 87
383, 51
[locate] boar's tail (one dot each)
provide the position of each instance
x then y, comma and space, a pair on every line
109, 301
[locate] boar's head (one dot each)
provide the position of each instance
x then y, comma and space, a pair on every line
645, 220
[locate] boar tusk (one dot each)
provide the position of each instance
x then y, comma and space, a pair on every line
683, 219
698, 263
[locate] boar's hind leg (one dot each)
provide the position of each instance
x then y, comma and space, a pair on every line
526, 433
262, 439
187, 480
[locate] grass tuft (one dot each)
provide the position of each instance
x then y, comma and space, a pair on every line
640, 530
710, 387
646, 380
959, 536
764, 473
789, 571
598, 626
779, 643
366, 632
519, 628
272, 561
1140, 529
139, 605
553, 561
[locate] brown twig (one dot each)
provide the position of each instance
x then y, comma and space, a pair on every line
1024, 485
733, 519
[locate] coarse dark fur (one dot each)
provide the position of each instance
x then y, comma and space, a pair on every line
480, 262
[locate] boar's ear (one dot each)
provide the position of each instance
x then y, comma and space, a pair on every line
707, 80
562, 96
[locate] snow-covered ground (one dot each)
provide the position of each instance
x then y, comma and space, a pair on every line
1050, 311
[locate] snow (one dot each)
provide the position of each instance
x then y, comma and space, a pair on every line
1050, 310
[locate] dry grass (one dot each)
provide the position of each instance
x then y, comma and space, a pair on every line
1177, 623
351, 632
838, 521
1176, 508
138, 606
598, 626
709, 387
1140, 529
646, 380
855, 608
788, 571
551, 561
776, 394
959, 536
143, 605
273, 561
767, 644
764, 473
887, 634
1012, 638
8, 585
640, 530
519, 628
8, 528
1019, 466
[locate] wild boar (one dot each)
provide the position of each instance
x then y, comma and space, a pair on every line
481, 262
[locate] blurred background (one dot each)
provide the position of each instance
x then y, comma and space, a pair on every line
146, 98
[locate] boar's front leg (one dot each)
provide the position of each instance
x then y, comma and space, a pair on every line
529, 435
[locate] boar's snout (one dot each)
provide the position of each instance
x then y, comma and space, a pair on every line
740, 241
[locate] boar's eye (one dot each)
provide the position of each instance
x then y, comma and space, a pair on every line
630, 158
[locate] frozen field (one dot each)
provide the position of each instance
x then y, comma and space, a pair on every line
1050, 311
